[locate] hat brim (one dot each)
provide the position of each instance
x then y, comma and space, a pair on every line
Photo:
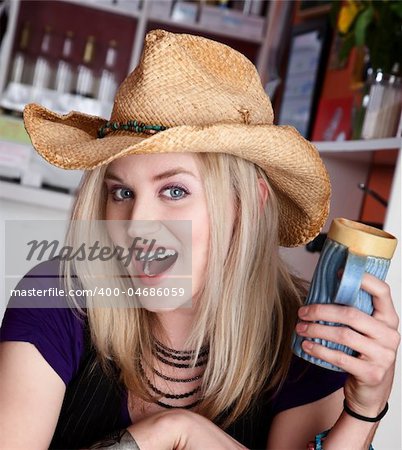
292, 164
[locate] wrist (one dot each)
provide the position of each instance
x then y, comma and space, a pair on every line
160, 431
364, 411
363, 417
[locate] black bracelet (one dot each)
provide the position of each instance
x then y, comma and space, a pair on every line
364, 418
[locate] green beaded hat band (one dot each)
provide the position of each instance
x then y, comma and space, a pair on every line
131, 125
191, 94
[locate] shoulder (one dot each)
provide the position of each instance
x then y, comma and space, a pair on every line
39, 312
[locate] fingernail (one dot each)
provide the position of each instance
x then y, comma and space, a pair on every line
307, 345
303, 311
301, 326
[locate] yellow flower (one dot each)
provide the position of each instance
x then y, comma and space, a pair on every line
346, 16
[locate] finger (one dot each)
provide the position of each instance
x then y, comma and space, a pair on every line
367, 347
354, 318
364, 371
384, 309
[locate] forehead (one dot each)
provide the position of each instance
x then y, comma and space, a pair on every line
153, 163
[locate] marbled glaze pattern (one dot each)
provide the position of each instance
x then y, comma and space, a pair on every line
326, 287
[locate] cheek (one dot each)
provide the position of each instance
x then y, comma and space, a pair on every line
200, 242
116, 211
116, 232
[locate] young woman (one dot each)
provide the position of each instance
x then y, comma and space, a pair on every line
190, 139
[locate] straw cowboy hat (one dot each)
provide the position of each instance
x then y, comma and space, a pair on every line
192, 94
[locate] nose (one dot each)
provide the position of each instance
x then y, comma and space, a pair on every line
144, 229
144, 221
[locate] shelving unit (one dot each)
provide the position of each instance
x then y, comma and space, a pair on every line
13, 192
359, 145
143, 22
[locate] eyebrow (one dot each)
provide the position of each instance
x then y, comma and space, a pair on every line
171, 173
160, 176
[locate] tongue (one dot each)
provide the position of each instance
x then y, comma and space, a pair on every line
156, 267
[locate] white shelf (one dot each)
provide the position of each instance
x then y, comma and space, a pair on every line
204, 29
106, 6
35, 196
361, 145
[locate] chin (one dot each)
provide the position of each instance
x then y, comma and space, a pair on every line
166, 305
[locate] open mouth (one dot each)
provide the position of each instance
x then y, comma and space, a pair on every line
155, 263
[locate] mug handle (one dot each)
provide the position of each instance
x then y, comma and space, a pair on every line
351, 279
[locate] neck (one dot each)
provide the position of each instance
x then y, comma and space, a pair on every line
176, 325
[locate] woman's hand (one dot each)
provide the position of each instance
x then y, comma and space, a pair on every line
199, 433
375, 337
180, 429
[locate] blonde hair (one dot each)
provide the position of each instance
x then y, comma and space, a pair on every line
247, 307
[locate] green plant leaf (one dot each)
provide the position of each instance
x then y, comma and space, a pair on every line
362, 22
348, 42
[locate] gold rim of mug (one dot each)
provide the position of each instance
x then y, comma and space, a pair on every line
363, 239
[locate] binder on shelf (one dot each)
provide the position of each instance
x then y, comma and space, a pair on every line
185, 12
232, 21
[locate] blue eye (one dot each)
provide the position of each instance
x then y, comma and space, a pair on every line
120, 194
175, 192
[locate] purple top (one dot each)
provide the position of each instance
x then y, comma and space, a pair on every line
58, 333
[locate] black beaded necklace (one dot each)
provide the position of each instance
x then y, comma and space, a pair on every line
179, 366
180, 355
167, 395
180, 352
177, 380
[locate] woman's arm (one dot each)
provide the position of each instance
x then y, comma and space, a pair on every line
176, 429
369, 384
294, 428
31, 395
181, 430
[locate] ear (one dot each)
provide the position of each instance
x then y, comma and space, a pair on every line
263, 189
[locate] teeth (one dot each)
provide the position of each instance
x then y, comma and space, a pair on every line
165, 255
147, 272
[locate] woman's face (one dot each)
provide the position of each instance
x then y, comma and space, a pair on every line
160, 197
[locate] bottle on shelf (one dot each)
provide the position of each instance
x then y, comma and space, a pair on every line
64, 72
384, 105
85, 76
19, 66
42, 72
108, 83
17, 93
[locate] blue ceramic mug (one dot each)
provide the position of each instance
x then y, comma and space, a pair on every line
356, 248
